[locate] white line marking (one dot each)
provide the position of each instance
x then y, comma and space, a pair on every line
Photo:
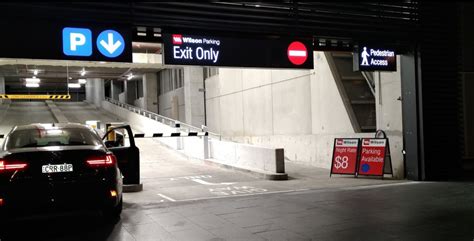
242, 195
298, 53
166, 197
210, 183
380, 185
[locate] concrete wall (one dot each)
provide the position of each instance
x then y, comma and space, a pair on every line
263, 160
122, 97
298, 110
250, 102
193, 98
150, 92
172, 104
140, 103
328, 113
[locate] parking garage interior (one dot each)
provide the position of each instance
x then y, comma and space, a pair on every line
247, 152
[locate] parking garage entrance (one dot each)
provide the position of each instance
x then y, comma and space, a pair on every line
284, 98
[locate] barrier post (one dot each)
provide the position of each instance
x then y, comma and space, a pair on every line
205, 142
179, 140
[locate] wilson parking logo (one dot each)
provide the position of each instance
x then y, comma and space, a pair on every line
177, 39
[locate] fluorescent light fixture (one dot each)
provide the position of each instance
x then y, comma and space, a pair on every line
33, 80
130, 76
32, 85
82, 81
83, 72
74, 85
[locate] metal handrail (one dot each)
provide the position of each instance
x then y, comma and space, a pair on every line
163, 119
369, 78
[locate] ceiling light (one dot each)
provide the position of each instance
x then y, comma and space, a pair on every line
83, 72
82, 81
74, 85
32, 85
33, 80
130, 76
35, 72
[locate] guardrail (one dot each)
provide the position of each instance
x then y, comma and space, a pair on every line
163, 119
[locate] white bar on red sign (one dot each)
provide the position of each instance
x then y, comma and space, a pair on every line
346, 142
374, 142
300, 53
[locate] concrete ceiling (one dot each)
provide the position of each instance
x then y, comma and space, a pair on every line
58, 72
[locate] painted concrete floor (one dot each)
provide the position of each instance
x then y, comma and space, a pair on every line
189, 200
415, 211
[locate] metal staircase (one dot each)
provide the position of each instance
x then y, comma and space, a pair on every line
357, 90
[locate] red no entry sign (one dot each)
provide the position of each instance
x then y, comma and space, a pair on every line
297, 53
344, 160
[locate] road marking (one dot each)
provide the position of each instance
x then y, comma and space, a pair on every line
235, 190
380, 185
166, 197
191, 177
242, 195
210, 183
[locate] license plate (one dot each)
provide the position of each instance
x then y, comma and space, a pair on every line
57, 168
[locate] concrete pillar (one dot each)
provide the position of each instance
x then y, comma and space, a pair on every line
193, 98
2, 87
388, 92
95, 91
115, 89
130, 91
150, 92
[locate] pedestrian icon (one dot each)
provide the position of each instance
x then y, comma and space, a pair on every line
77, 42
110, 43
365, 55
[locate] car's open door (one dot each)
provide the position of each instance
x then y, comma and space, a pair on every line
120, 141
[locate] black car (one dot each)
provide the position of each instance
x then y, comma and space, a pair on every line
58, 168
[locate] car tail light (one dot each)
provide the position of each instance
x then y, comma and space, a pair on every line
12, 166
107, 160
1, 202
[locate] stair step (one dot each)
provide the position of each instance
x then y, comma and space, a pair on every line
362, 102
341, 55
353, 77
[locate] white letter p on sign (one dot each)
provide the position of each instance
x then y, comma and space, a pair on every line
77, 39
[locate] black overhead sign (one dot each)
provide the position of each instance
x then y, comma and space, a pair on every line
370, 58
185, 49
66, 42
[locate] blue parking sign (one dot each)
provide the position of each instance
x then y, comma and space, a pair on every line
110, 43
77, 42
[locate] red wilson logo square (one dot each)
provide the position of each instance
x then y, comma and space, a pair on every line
177, 39
366, 142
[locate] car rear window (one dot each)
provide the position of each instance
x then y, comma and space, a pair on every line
51, 137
